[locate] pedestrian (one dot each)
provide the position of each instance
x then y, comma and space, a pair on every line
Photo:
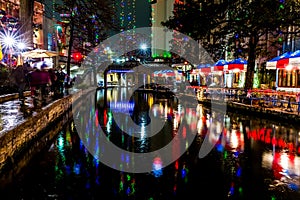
298, 101
53, 79
60, 81
32, 85
18, 79
40, 79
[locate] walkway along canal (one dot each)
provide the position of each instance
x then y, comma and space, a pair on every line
14, 141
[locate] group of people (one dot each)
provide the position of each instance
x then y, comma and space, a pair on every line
41, 81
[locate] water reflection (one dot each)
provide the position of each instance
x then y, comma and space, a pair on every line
252, 159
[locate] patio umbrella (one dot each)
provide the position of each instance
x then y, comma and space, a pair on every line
238, 63
278, 61
39, 53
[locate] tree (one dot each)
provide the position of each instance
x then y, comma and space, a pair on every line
88, 23
246, 26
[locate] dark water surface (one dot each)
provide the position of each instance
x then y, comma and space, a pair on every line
252, 158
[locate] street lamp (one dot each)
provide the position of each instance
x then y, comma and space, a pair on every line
144, 47
9, 43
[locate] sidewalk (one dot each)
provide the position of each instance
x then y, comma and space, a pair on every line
13, 112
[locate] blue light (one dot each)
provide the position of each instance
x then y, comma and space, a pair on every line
220, 147
183, 173
76, 169
239, 172
119, 71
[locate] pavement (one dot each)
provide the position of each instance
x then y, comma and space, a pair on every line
14, 112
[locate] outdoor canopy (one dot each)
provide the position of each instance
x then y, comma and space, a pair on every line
39, 53
205, 68
238, 63
294, 58
279, 61
220, 65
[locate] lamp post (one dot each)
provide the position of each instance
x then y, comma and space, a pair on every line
9, 43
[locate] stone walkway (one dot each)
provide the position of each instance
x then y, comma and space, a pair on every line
13, 112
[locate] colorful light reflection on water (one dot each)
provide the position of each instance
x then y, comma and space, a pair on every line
253, 159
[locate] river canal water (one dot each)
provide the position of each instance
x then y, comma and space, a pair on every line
252, 158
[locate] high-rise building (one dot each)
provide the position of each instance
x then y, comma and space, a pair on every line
131, 14
161, 11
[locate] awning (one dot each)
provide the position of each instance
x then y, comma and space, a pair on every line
294, 58
282, 63
164, 73
237, 64
205, 68
279, 61
220, 64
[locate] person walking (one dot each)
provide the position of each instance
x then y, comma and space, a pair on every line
18, 79
60, 82
40, 79
298, 101
53, 87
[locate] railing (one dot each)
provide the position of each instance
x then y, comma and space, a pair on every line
261, 98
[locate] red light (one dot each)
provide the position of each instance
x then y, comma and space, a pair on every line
77, 56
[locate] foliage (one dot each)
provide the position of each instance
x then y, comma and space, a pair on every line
247, 28
90, 21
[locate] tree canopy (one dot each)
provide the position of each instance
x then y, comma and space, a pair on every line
87, 23
244, 28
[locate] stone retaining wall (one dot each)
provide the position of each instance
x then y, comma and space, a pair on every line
16, 139
9, 97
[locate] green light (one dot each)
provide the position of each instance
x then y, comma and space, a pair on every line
121, 186
281, 6
280, 39
241, 190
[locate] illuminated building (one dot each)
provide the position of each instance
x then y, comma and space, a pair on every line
161, 11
